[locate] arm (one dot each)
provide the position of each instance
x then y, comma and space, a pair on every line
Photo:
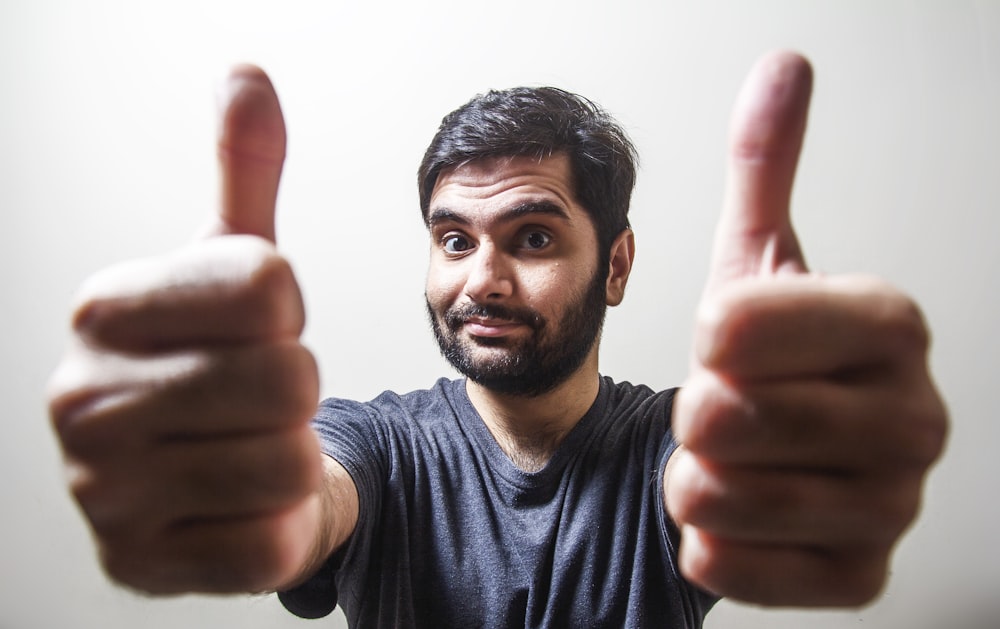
183, 403
338, 498
809, 419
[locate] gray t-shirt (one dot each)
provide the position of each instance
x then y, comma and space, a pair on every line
452, 534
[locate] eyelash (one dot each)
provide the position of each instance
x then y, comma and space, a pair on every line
522, 241
451, 237
527, 235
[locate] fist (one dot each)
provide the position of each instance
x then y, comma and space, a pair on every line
183, 403
809, 419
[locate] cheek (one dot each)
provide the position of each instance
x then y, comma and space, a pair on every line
561, 287
441, 289
561, 278
545, 289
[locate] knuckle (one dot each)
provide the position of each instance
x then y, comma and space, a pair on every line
87, 314
860, 576
292, 382
110, 296
719, 418
72, 387
718, 322
142, 566
690, 406
117, 529
899, 318
694, 494
735, 320
90, 305
876, 512
257, 557
122, 566
278, 560
71, 415
711, 563
93, 411
290, 467
899, 514
918, 430
64, 395
271, 295
905, 323
927, 435
684, 411
113, 506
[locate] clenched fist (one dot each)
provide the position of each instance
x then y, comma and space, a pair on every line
183, 403
809, 419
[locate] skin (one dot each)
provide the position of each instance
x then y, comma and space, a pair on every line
807, 423
186, 491
809, 418
483, 251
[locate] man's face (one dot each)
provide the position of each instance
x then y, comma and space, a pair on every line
513, 291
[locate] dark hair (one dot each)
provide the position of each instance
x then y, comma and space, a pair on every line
539, 122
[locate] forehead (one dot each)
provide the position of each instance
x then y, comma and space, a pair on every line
494, 183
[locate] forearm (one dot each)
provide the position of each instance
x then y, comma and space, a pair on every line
337, 515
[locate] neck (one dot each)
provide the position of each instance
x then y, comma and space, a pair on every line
529, 429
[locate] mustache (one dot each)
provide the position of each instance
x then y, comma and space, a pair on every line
457, 316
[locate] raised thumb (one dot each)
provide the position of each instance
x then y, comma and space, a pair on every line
251, 152
754, 235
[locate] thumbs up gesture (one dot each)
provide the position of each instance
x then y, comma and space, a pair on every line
809, 418
183, 403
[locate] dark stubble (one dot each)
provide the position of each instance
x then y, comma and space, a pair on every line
535, 365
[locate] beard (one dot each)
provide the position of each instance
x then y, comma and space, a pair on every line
528, 367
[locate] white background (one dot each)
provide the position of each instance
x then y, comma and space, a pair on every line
106, 153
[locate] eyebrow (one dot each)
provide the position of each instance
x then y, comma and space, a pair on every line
546, 208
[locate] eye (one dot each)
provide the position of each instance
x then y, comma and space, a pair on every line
456, 243
535, 240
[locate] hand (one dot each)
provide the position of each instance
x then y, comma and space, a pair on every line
809, 419
183, 404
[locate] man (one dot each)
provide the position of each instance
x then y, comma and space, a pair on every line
533, 492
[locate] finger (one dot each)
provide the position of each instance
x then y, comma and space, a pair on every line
809, 424
234, 476
804, 325
782, 575
117, 404
211, 556
783, 506
219, 291
132, 494
754, 234
251, 151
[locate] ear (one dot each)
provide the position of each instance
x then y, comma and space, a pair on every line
622, 254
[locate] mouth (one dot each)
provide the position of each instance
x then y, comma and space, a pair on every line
491, 324
490, 328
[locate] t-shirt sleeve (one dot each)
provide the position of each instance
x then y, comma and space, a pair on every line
315, 598
350, 434
697, 601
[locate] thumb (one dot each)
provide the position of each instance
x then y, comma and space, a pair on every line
251, 151
754, 235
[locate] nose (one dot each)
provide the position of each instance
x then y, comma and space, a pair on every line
490, 275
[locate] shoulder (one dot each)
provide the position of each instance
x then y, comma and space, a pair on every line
389, 430
633, 420
390, 405
636, 400
393, 417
